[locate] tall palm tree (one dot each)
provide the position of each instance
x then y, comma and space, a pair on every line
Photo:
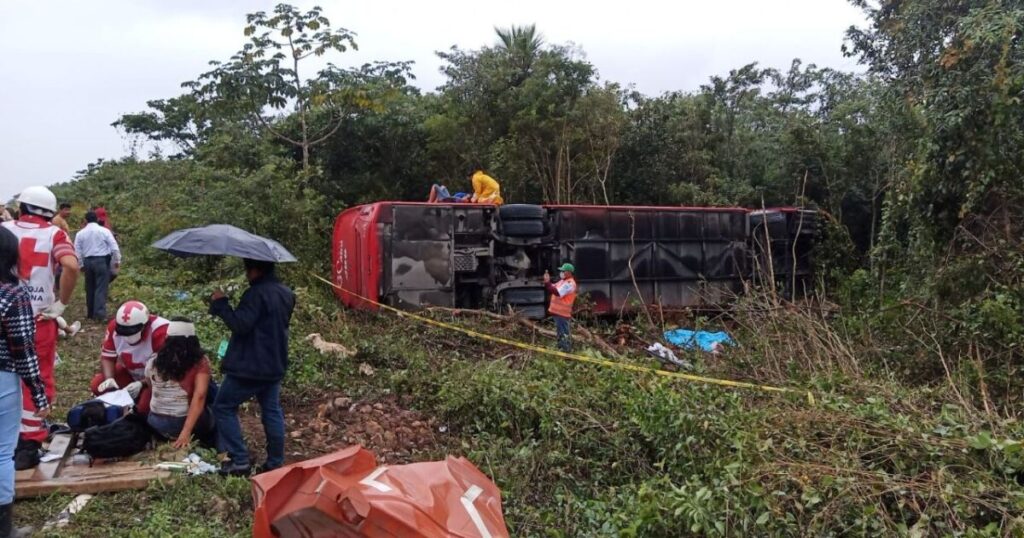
522, 43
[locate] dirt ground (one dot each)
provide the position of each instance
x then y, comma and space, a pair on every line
314, 428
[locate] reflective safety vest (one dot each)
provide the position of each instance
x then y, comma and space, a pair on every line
561, 302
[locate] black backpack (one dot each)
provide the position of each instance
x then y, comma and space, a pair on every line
124, 437
92, 413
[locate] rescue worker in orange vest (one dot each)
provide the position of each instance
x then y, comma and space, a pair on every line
563, 295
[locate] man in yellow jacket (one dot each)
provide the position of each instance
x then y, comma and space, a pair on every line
485, 189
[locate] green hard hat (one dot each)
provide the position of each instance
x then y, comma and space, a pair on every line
567, 267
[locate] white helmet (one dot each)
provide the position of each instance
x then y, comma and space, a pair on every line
41, 199
131, 319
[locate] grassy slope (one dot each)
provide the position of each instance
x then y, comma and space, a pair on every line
576, 449
579, 450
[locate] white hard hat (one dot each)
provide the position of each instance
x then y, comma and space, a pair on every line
131, 318
40, 198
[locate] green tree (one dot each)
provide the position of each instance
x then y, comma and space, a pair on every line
266, 73
178, 120
958, 68
522, 44
531, 112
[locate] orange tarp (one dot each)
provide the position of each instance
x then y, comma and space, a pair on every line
346, 494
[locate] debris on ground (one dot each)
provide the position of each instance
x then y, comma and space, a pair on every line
64, 517
329, 348
347, 494
711, 342
392, 432
664, 354
193, 465
72, 472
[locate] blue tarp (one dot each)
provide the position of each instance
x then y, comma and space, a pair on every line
704, 340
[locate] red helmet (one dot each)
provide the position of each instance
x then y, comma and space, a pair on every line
131, 318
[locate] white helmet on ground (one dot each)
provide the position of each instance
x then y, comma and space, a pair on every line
131, 319
40, 201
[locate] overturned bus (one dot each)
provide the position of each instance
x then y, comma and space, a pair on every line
411, 255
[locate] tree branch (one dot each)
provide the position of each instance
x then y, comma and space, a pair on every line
340, 120
275, 132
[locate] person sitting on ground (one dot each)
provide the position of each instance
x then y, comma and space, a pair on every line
179, 377
486, 189
134, 337
439, 194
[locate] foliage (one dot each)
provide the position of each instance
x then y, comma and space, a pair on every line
912, 344
959, 71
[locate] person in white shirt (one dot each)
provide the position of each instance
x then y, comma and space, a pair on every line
99, 254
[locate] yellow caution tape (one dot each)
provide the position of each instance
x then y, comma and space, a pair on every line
572, 356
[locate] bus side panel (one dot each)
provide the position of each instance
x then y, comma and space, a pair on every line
356, 256
677, 257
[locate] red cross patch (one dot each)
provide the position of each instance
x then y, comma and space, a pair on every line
29, 259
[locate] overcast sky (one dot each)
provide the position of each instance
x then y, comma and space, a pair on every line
71, 67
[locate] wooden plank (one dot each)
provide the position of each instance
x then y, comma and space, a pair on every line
117, 481
101, 469
61, 445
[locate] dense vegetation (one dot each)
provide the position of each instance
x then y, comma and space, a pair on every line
914, 345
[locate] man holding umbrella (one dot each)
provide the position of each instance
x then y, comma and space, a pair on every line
257, 355
254, 365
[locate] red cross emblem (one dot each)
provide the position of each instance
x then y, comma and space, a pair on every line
128, 307
29, 259
128, 360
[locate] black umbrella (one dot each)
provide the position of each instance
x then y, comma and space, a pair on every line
223, 240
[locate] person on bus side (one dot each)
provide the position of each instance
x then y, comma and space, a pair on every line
486, 189
439, 194
563, 295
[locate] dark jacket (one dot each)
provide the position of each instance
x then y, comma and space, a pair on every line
258, 349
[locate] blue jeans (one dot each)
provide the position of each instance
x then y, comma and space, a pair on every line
564, 337
232, 393
170, 427
10, 423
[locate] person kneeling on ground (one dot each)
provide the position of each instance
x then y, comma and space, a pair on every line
254, 365
179, 377
134, 337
